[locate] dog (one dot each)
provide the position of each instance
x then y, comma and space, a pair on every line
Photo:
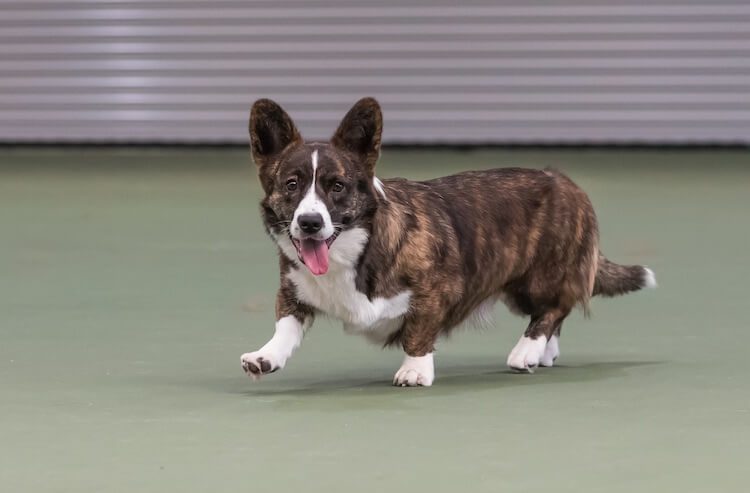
403, 262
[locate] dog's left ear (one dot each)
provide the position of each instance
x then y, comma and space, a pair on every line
359, 132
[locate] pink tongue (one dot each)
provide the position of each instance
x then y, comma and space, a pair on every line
315, 255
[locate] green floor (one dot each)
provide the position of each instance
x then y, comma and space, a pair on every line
132, 280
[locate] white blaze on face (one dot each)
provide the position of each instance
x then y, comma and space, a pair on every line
312, 249
311, 204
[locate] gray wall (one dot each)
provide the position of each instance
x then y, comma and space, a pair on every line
502, 71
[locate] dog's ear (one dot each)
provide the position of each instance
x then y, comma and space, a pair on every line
359, 132
271, 131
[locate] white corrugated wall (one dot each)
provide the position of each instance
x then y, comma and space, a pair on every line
476, 72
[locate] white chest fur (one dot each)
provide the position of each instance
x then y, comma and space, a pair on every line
336, 295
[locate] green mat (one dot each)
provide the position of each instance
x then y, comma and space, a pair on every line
132, 280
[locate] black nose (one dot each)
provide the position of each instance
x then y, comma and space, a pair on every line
310, 223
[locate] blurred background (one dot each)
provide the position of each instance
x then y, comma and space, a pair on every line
489, 72
134, 268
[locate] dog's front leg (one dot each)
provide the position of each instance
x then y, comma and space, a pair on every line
292, 320
418, 340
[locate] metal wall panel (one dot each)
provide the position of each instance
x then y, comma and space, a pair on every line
481, 72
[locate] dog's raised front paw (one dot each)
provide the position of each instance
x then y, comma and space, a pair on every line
260, 363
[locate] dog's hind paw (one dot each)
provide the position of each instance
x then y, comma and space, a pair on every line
551, 352
527, 354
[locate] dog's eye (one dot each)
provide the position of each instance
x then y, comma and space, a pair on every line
291, 184
338, 187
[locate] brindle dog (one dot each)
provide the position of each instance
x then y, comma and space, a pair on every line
402, 262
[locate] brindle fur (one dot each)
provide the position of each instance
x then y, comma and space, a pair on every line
528, 237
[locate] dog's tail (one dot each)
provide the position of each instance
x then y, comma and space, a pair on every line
613, 279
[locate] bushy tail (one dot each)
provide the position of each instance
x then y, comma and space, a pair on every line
613, 279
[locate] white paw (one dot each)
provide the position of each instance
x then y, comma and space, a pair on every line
415, 371
551, 352
527, 354
261, 363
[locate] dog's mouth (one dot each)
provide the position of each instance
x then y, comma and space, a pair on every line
314, 253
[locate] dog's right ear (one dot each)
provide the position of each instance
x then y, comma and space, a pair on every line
271, 131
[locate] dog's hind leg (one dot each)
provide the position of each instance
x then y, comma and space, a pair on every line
531, 349
552, 351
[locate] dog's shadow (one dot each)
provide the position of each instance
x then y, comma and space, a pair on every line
451, 380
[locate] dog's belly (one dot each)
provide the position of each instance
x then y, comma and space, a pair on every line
335, 295
377, 333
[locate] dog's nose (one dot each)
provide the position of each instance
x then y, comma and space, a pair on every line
310, 223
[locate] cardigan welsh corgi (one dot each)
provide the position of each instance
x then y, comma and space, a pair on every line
403, 262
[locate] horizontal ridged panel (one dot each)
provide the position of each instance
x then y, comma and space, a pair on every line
488, 71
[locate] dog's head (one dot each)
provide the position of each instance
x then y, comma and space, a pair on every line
316, 191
